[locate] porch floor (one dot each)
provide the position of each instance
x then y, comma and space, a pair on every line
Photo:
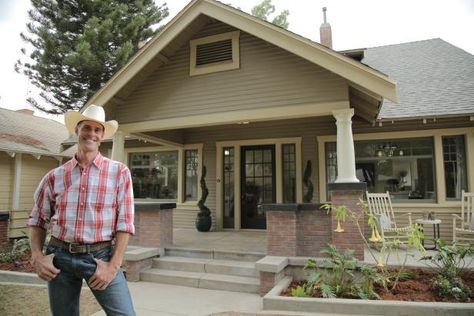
256, 242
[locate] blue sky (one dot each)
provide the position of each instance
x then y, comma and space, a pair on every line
355, 24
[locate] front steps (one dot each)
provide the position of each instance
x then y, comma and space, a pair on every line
207, 269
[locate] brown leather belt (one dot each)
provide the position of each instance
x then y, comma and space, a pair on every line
79, 248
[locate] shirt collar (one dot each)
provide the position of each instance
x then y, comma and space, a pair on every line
96, 162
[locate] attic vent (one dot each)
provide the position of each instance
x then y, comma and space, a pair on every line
215, 53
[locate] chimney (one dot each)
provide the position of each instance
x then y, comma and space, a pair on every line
325, 33
26, 111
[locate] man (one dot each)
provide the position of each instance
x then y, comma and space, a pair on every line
88, 205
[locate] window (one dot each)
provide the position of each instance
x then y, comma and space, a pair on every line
191, 179
454, 157
289, 173
404, 167
228, 187
214, 53
155, 174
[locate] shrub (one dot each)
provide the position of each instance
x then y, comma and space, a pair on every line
450, 262
20, 246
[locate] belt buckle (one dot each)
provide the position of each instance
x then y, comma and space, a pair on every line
71, 246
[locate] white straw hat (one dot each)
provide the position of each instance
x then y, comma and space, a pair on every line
93, 113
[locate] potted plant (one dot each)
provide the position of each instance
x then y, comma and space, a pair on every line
203, 219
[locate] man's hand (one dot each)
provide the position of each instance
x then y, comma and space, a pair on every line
104, 274
44, 267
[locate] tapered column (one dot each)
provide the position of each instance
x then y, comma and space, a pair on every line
345, 146
118, 147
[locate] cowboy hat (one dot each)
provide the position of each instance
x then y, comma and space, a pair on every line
93, 113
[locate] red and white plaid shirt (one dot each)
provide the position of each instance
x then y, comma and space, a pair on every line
85, 205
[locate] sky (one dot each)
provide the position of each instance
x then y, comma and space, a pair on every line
354, 24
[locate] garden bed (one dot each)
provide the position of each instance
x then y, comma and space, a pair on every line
274, 300
416, 288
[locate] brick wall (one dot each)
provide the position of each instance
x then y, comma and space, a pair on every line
281, 233
350, 238
153, 228
314, 232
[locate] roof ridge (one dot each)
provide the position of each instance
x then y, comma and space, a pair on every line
406, 43
30, 115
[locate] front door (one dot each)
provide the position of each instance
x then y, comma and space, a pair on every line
257, 183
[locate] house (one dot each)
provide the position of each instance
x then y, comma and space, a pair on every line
30, 146
254, 103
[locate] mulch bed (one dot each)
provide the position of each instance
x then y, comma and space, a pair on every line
20, 265
418, 288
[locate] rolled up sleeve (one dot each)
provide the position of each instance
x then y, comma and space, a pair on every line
125, 203
43, 207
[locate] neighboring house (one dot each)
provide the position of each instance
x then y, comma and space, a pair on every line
254, 102
30, 146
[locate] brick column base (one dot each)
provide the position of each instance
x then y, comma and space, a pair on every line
281, 233
4, 223
348, 194
133, 268
153, 226
268, 280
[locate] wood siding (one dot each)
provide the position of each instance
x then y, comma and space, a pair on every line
7, 165
33, 171
268, 77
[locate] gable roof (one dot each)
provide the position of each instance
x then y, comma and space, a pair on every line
26, 133
434, 79
360, 75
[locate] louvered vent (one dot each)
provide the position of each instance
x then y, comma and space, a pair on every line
214, 52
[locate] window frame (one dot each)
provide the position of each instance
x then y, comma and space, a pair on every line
217, 66
437, 135
180, 199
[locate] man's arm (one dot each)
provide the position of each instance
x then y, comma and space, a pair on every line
106, 271
42, 264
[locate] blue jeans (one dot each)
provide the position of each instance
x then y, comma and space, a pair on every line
65, 289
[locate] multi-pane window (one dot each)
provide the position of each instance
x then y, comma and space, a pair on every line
155, 174
289, 173
454, 156
228, 187
404, 167
191, 172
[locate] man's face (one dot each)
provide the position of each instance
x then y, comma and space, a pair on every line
90, 134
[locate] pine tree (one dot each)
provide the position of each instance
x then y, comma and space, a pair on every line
79, 44
266, 8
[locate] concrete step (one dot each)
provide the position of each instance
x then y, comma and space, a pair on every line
213, 254
202, 280
228, 267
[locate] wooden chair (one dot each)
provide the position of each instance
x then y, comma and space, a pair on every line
463, 226
380, 205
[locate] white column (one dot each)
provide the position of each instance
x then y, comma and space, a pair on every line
118, 147
345, 146
17, 182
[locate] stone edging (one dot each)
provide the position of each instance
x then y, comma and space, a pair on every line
272, 301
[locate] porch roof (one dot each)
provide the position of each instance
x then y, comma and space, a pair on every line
366, 83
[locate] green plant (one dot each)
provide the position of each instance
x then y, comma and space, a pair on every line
389, 247
342, 275
20, 246
450, 262
204, 211
299, 291
308, 197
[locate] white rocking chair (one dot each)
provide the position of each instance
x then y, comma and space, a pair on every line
380, 206
463, 226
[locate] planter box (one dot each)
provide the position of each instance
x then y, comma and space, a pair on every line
273, 301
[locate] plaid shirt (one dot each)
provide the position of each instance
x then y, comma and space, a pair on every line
85, 205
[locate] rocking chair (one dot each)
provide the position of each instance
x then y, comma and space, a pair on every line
463, 231
380, 206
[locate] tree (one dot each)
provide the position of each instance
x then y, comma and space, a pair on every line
266, 8
79, 44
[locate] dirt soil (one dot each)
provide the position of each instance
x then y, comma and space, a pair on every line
418, 288
33, 299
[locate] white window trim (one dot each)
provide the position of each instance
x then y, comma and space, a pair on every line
278, 142
180, 190
219, 66
436, 134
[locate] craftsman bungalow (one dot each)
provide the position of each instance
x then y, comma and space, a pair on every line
254, 103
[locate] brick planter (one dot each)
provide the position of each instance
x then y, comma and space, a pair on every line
153, 225
4, 222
